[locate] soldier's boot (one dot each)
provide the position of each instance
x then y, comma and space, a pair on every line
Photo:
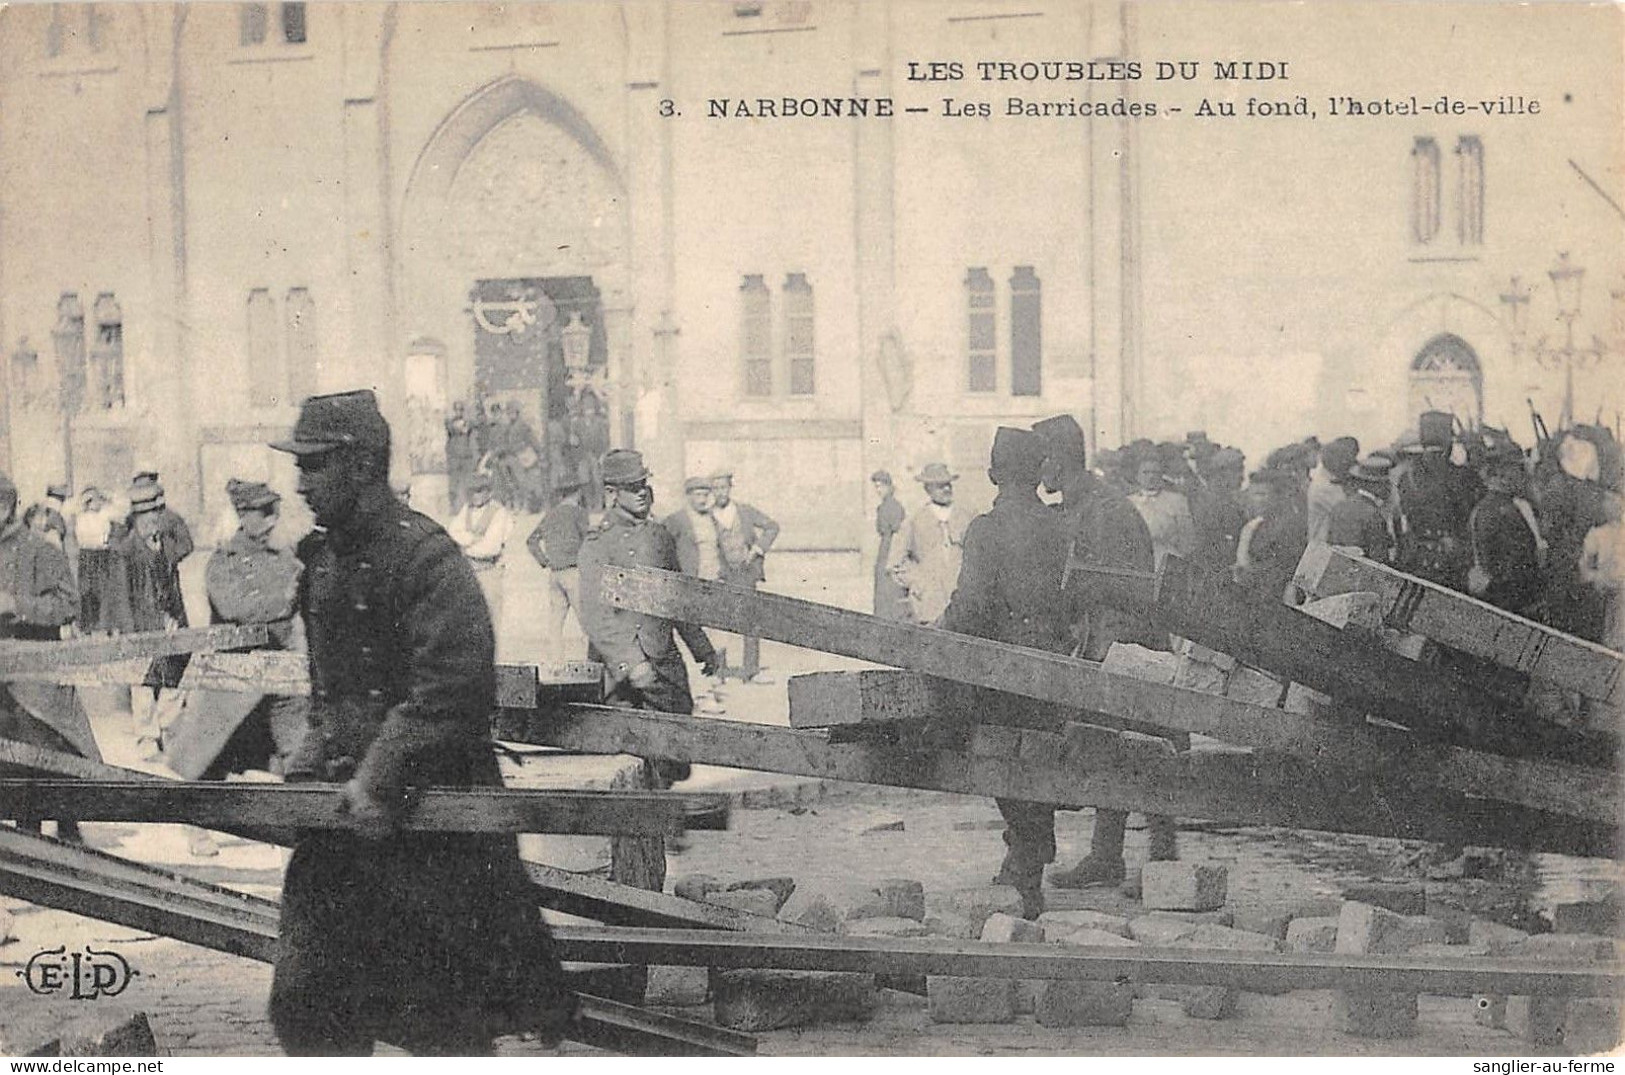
1029, 838
1104, 863
1164, 838
1030, 887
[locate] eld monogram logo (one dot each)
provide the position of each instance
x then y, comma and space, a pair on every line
90, 974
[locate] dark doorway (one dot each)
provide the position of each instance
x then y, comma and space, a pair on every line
540, 346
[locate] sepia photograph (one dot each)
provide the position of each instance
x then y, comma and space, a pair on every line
769, 528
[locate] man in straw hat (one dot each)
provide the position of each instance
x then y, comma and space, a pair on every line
1361, 520
926, 563
428, 940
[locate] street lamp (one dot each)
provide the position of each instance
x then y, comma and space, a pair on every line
1567, 279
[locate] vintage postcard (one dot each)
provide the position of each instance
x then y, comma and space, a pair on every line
785, 527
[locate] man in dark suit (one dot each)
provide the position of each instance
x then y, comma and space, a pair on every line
1505, 538
744, 534
1361, 519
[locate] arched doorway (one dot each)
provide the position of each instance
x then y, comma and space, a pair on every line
1446, 376
515, 230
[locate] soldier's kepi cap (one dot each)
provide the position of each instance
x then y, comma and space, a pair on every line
623, 466
1018, 457
1064, 437
250, 496
336, 421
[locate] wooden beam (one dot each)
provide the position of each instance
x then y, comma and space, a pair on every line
879, 696
623, 905
48, 656
1465, 623
316, 806
1264, 971
72, 879
1037, 674
1084, 768
287, 673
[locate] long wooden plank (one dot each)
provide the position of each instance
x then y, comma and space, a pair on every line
1031, 673
195, 913
316, 806
623, 905
1270, 971
18, 657
877, 696
1083, 768
287, 673
1465, 623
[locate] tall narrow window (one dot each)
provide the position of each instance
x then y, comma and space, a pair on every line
68, 340
293, 23
1470, 190
1026, 333
1425, 190
107, 354
252, 22
798, 333
756, 335
982, 370
267, 377
299, 315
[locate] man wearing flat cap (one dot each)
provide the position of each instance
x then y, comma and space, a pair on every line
744, 535
429, 940
641, 661
926, 563
1009, 590
692, 526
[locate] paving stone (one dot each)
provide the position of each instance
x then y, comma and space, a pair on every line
1096, 937
1084, 1003
948, 924
1195, 675
1494, 936
886, 927
895, 825
1159, 931
1084, 919
1222, 917
892, 898
1541, 1021
820, 910
971, 1000
1376, 1015
1364, 929
102, 1035
1127, 659
1254, 687
1182, 886
1356, 609
976, 904
1490, 1010
1270, 921
677, 987
758, 1000
1305, 701
1587, 916
696, 886
1400, 898
781, 887
1210, 1002
760, 901
1566, 948
1236, 940
1007, 929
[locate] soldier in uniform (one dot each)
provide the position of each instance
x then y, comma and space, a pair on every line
1010, 591
1103, 529
429, 940
643, 666
1435, 498
249, 581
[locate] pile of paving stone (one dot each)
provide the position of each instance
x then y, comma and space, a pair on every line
1181, 906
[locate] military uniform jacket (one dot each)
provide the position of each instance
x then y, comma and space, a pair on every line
249, 582
420, 936
623, 638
